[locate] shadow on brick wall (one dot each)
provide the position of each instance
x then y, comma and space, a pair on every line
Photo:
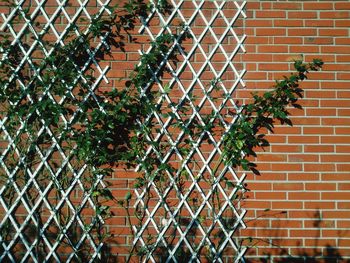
317, 252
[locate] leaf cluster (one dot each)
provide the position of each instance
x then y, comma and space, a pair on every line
262, 114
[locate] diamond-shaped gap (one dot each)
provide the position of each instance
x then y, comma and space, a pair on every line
216, 237
154, 26
55, 160
230, 11
183, 92
175, 128
18, 249
183, 253
174, 91
230, 44
151, 226
8, 229
236, 62
69, 247
42, 178
193, 200
229, 219
230, 111
23, 71
12, 161
83, 21
86, 183
60, 92
10, 199
56, 24
91, 227
175, 25
231, 77
207, 77
186, 109
206, 147
71, 231
197, 226
215, 165
171, 237
198, 56
157, 130
218, 61
43, 141
184, 9
195, 164
67, 173
43, 237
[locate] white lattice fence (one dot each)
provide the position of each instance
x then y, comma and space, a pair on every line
47, 211
194, 213
192, 216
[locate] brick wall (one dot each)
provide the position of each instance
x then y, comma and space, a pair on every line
300, 205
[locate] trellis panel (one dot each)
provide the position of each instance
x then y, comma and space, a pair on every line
208, 70
33, 198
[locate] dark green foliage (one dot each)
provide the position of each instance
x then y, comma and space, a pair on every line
262, 113
48, 105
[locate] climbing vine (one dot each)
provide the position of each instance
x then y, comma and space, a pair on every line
49, 112
62, 131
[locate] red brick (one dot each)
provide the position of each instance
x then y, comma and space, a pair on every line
288, 23
343, 167
318, 130
305, 233
302, 32
302, 15
319, 204
286, 6
318, 41
319, 148
317, 6
287, 40
272, 49
320, 167
286, 205
342, 41
335, 139
320, 186
270, 195
342, 23
303, 196
335, 49
333, 32
319, 23
270, 14
342, 6
304, 139
334, 15
335, 196
338, 158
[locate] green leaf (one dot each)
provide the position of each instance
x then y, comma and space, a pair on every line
127, 196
